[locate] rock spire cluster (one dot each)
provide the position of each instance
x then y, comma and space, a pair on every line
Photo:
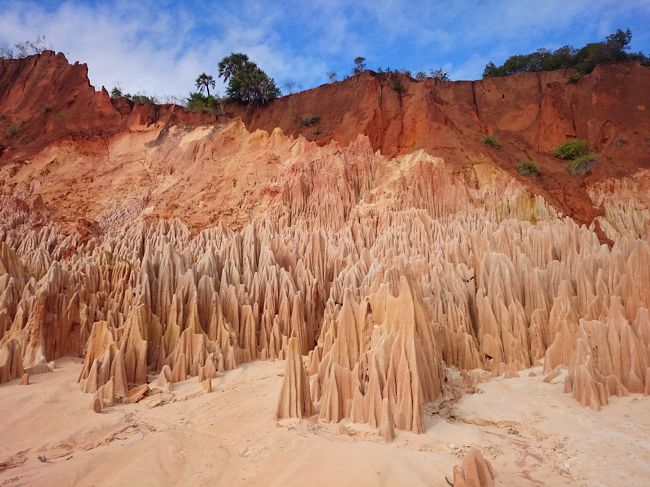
369, 283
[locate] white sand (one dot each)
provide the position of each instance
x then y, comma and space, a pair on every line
531, 432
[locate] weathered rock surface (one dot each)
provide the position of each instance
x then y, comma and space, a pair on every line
475, 471
295, 400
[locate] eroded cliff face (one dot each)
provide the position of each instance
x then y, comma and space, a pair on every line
44, 99
384, 275
530, 113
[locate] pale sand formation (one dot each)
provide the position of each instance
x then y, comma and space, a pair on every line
530, 432
385, 286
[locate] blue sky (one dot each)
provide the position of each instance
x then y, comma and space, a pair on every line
159, 47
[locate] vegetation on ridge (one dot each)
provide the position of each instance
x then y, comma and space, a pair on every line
584, 60
117, 92
247, 83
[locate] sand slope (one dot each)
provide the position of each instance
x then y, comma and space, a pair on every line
228, 437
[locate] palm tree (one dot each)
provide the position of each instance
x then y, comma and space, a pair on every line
230, 64
204, 81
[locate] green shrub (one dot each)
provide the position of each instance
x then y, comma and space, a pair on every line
116, 92
583, 164
528, 168
575, 77
198, 102
309, 121
492, 141
572, 149
398, 86
146, 99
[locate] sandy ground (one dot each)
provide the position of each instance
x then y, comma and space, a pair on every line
532, 433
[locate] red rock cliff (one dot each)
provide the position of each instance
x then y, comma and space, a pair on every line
43, 98
530, 113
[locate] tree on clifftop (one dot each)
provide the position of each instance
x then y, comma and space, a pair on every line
247, 83
359, 65
205, 81
230, 64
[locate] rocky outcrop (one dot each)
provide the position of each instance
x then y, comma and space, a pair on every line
475, 471
44, 98
608, 358
11, 365
295, 400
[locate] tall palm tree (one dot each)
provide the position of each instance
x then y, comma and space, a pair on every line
205, 81
230, 64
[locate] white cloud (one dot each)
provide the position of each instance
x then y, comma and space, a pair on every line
149, 50
160, 47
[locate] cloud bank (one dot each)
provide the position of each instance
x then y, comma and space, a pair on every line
159, 47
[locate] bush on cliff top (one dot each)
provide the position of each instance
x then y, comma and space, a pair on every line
611, 50
135, 98
198, 102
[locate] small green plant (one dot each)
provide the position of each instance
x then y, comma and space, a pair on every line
575, 77
309, 121
13, 130
528, 168
491, 140
397, 85
583, 164
571, 149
